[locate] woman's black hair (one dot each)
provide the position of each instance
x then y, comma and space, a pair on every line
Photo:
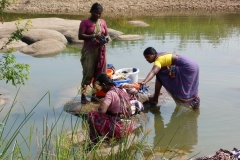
149, 50
104, 78
96, 6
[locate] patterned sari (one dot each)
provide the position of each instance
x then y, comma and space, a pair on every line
111, 125
93, 57
183, 87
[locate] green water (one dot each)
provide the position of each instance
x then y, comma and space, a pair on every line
212, 41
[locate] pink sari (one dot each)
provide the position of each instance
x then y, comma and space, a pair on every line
111, 125
93, 56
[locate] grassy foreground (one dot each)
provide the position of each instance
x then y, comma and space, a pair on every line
62, 141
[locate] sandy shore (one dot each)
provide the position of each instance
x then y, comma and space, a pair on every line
127, 7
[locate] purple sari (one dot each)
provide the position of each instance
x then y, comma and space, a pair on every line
184, 86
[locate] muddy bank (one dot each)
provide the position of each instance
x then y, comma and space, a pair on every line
126, 7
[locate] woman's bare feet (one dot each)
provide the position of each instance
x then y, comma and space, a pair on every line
84, 99
153, 100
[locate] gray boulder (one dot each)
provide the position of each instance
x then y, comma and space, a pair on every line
72, 36
35, 35
114, 33
58, 24
14, 44
44, 48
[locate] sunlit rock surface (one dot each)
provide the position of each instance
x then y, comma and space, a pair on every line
35, 35
46, 47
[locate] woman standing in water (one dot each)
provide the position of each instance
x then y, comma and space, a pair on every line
93, 31
177, 74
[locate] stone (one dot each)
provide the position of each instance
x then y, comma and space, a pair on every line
14, 44
130, 37
72, 36
138, 23
58, 24
114, 33
35, 35
44, 48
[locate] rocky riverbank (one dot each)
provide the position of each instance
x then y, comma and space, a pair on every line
126, 7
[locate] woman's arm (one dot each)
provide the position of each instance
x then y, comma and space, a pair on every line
151, 74
102, 108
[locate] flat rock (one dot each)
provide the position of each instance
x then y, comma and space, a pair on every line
14, 44
35, 35
129, 37
114, 33
75, 106
138, 23
43, 48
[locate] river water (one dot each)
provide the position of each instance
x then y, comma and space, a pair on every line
211, 40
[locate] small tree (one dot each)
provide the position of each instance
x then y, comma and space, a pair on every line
10, 69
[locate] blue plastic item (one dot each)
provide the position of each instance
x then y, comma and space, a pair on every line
118, 82
135, 69
143, 89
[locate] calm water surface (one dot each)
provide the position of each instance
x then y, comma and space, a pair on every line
212, 41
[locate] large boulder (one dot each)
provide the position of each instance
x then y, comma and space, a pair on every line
57, 24
14, 44
7, 28
44, 48
35, 35
72, 36
114, 33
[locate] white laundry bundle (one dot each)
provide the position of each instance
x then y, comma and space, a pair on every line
136, 106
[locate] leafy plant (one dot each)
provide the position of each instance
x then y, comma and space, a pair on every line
13, 71
10, 69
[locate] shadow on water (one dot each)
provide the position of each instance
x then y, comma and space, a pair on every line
180, 134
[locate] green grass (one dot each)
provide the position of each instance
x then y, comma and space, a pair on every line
61, 140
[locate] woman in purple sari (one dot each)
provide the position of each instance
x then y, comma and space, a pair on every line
93, 31
177, 74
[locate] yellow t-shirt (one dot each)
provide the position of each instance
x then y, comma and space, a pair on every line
163, 60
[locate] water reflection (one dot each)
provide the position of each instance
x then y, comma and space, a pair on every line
212, 41
180, 133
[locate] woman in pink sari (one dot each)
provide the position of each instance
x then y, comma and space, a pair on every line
107, 121
93, 31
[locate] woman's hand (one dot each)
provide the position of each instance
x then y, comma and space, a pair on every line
142, 83
98, 36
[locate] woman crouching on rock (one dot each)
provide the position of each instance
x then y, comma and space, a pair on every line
115, 106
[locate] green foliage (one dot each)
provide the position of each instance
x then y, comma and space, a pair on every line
60, 139
11, 70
